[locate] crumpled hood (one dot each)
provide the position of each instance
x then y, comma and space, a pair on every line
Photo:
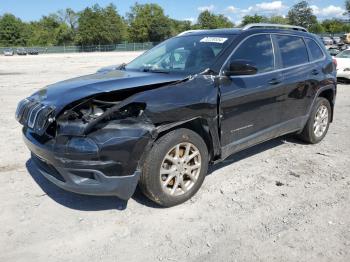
63, 93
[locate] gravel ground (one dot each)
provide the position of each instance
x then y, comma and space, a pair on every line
278, 201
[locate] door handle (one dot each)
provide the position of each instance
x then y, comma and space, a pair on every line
315, 72
274, 81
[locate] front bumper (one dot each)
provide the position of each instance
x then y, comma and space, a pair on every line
82, 174
89, 181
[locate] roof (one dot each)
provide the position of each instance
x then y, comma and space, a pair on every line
256, 27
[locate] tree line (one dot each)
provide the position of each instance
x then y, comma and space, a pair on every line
98, 25
301, 14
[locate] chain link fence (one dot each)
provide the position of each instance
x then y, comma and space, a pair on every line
103, 48
331, 35
88, 48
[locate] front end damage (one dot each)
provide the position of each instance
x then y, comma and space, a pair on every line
96, 145
93, 147
101, 163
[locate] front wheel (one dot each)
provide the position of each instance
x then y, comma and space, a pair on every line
175, 168
317, 126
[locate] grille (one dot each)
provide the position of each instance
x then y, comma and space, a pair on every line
34, 115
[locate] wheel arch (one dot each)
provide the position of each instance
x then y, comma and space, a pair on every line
329, 94
204, 128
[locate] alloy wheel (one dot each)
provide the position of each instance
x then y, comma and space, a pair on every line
180, 169
321, 121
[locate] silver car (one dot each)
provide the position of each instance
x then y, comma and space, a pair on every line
327, 40
8, 52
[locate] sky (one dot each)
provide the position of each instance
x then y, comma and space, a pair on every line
29, 10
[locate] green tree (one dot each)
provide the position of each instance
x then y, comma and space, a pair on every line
301, 15
100, 26
252, 19
178, 26
278, 20
334, 26
69, 16
49, 30
12, 31
317, 29
148, 22
208, 20
347, 7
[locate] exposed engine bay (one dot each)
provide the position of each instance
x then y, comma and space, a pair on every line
93, 113
88, 111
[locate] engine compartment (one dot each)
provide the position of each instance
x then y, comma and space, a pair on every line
93, 113
87, 110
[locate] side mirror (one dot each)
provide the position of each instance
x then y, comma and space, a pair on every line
241, 68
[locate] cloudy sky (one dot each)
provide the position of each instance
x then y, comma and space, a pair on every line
179, 9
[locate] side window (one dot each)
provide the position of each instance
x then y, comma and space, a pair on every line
257, 51
293, 50
314, 48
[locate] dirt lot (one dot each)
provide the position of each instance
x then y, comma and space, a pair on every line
279, 201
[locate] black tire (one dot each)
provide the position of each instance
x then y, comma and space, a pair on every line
308, 134
151, 181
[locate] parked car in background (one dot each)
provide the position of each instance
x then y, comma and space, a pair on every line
343, 47
346, 38
33, 52
8, 52
191, 101
337, 40
343, 66
21, 51
327, 40
333, 51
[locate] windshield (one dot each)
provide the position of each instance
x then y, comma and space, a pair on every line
190, 54
344, 54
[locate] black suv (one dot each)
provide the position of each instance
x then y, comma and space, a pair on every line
191, 101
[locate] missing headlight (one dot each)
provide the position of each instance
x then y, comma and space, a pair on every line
87, 111
132, 110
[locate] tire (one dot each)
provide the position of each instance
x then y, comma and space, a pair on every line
309, 134
177, 183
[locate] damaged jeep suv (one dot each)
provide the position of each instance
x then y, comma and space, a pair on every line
191, 101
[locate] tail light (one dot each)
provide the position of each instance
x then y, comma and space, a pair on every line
335, 62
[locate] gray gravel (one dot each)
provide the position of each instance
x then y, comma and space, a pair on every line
278, 201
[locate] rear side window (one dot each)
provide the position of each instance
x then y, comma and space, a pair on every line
258, 51
314, 48
293, 50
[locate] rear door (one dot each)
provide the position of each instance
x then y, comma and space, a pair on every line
298, 74
251, 104
317, 72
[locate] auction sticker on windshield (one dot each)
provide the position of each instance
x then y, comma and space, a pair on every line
209, 39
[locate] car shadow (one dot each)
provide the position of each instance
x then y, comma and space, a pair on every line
140, 198
254, 150
97, 203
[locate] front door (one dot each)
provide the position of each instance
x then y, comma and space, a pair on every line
250, 105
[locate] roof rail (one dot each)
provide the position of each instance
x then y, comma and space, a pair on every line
189, 31
264, 25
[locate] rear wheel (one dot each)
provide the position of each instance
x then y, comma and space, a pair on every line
317, 126
175, 168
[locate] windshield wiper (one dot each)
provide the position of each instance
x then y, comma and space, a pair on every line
122, 66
